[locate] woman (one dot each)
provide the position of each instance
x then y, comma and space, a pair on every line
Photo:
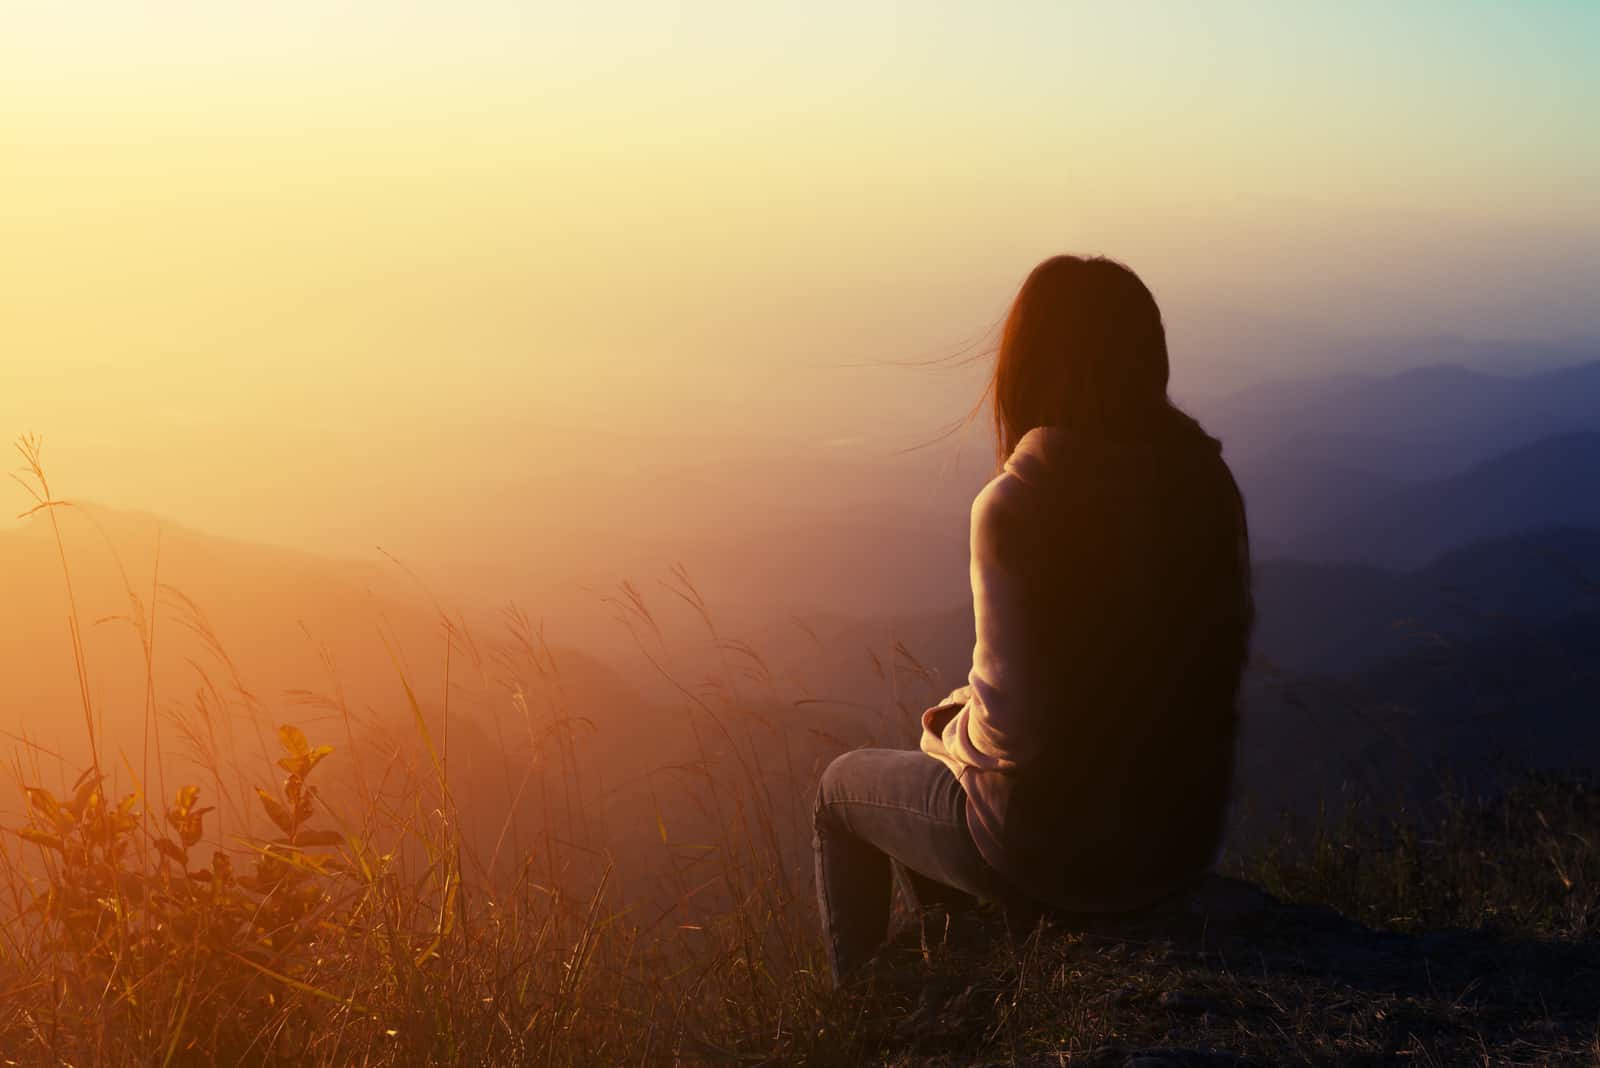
1086, 766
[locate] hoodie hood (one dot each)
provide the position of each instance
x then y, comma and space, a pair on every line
1047, 447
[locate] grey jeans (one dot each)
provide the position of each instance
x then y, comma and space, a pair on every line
883, 815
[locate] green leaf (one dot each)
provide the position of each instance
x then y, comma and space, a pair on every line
191, 829
186, 798
221, 866
301, 764
293, 741
43, 801
168, 848
276, 812
45, 804
50, 841
85, 791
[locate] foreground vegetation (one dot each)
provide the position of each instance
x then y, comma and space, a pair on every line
1473, 942
358, 924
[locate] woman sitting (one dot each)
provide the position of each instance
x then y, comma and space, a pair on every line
1086, 766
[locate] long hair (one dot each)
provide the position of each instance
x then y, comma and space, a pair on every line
1140, 573
1083, 347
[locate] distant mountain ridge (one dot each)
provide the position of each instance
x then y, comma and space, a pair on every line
1552, 481
1319, 459
1424, 423
1342, 617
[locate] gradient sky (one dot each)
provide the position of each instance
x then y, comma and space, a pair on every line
401, 221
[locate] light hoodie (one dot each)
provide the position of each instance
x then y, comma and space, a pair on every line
991, 730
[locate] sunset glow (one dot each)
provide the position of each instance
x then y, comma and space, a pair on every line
730, 497
398, 220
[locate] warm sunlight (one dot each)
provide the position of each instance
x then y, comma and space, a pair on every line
301, 222
616, 445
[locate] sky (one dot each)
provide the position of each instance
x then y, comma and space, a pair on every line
237, 239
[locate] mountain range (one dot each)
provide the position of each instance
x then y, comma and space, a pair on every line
1554, 480
1400, 522
1319, 459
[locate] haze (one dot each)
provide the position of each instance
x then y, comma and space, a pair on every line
341, 275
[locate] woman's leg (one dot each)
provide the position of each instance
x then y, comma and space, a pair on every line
876, 807
921, 893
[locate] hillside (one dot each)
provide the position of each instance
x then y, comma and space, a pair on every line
221, 609
1424, 423
615, 848
1322, 458
1467, 715
245, 636
1334, 648
1552, 481
1469, 939
1336, 618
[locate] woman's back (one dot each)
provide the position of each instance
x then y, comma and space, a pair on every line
1088, 762
1137, 594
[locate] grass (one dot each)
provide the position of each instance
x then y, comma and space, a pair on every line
364, 922
1471, 943
365, 925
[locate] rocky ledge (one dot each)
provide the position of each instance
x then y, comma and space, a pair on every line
1228, 976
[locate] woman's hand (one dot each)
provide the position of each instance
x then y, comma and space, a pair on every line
935, 718
958, 696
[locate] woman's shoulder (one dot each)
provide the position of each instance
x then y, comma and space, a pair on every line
1028, 486
1002, 512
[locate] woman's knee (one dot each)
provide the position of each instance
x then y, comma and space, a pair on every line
827, 790
836, 782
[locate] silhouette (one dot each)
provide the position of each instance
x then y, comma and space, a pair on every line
1087, 764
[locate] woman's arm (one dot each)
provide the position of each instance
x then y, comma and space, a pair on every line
989, 730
